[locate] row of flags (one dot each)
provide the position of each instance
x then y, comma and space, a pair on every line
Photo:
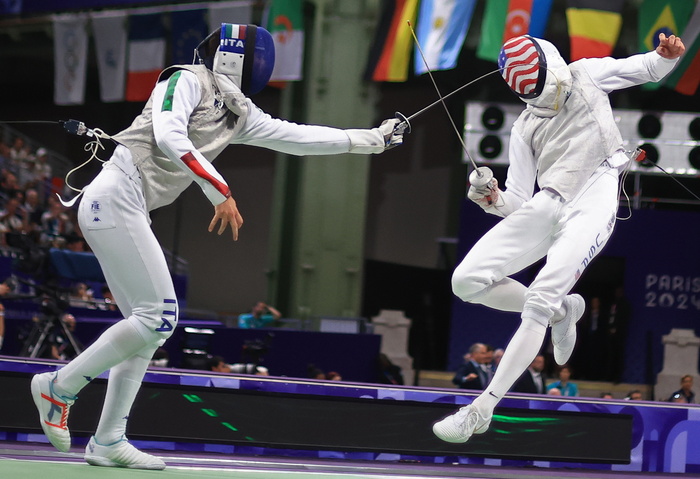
594, 28
131, 45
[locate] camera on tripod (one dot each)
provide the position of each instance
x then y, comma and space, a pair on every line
57, 265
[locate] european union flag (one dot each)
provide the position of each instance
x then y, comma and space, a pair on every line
189, 29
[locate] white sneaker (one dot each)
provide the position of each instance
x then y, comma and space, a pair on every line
564, 329
53, 410
460, 426
120, 454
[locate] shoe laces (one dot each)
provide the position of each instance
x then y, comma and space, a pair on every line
466, 419
62, 402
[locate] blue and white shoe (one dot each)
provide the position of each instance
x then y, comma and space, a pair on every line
53, 410
120, 454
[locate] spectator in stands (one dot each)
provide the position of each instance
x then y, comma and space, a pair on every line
8, 185
160, 358
53, 221
333, 376
75, 243
477, 372
606, 395
260, 316
389, 373
554, 392
13, 219
32, 205
2, 324
82, 296
218, 364
497, 355
532, 381
566, 387
685, 394
315, 373
4, 157
42, 170
634, 395
109, 301
61, 346
18, 153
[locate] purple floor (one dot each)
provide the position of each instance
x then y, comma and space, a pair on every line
313, 466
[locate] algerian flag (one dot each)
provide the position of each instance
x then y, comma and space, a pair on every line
286, 24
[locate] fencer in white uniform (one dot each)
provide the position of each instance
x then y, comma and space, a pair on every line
194, 112
567, 143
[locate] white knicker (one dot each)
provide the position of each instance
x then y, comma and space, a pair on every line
569, 234
115, 222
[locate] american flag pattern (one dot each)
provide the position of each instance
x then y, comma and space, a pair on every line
521, 65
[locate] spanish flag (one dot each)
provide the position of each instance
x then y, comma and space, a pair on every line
391, 50
594, 27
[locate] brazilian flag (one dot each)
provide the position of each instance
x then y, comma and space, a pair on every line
661, 16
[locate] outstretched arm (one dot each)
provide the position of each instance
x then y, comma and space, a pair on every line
616, 74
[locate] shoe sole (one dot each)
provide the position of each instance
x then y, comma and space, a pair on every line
104, 462
38, 401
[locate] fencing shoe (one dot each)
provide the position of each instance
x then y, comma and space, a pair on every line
564, 329
460, 426
53, 410
120, 454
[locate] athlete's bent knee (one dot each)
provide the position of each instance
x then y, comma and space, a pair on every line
468, 287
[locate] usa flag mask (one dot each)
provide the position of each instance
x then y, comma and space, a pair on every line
523, 66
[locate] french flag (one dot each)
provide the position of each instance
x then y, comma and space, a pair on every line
146, 55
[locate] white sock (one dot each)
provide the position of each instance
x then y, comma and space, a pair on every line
123, 385
120, 342
505, 295
519, 354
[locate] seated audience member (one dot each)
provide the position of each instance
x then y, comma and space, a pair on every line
33, 207
554, 392
334, 376
260, 316
497, 355
219, 365
389, 373
476, 373
61, 346
315, 373
53, 222
109, 302
606, 395
13, 219
82, 296
634, 395
2, 324
532, 380
160, 358
685, 394
565, 387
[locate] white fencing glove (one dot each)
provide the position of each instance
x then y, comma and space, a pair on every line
392, 129
376, 140
484, 189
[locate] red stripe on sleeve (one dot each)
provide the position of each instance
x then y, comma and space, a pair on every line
192, 163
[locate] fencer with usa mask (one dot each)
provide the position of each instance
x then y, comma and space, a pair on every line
194, 112
567, 143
